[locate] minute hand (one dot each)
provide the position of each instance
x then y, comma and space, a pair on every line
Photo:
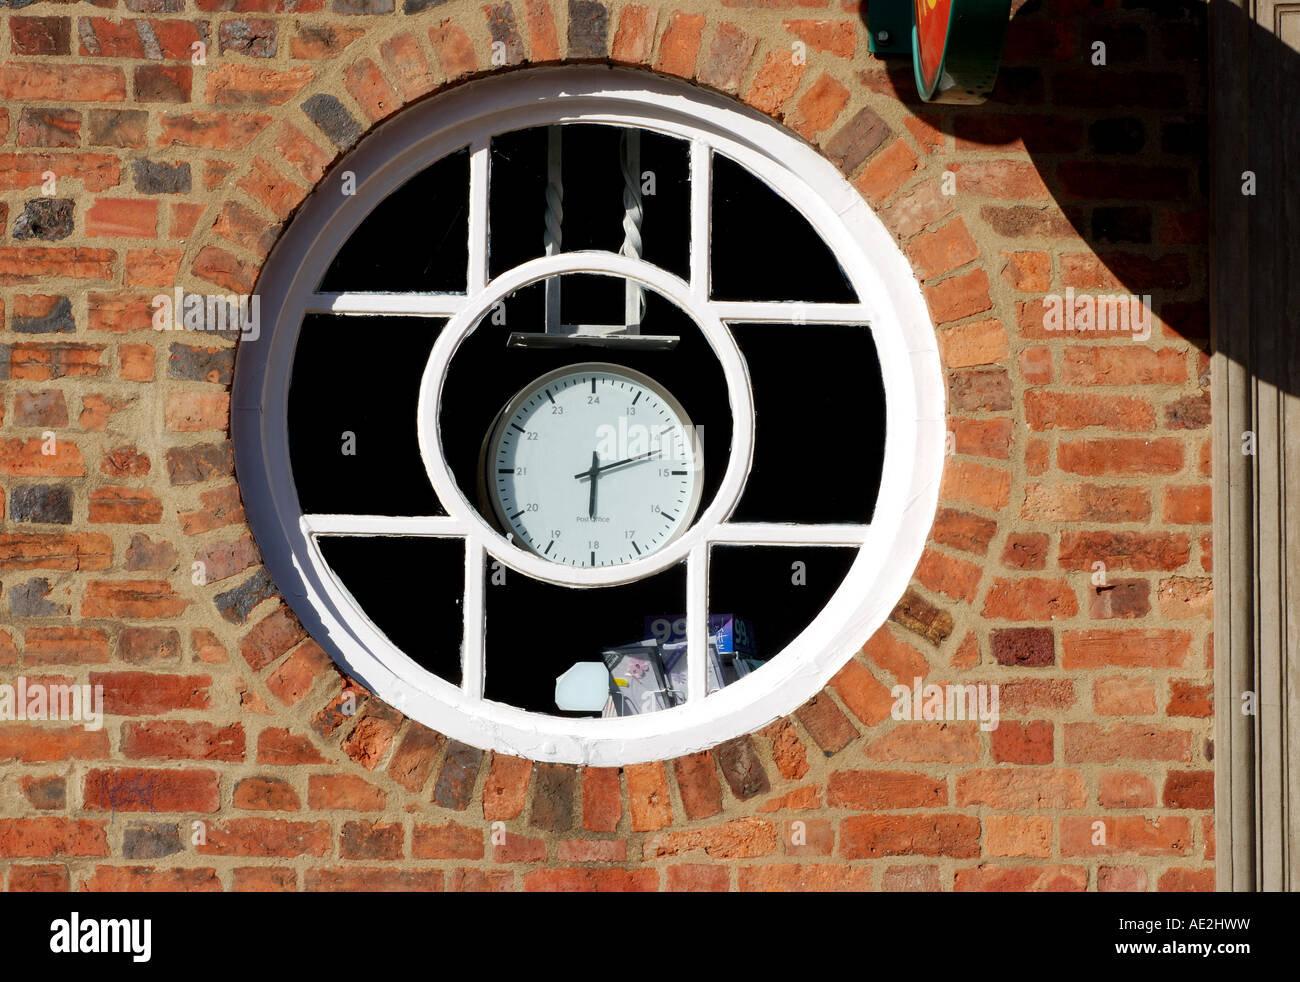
617, 463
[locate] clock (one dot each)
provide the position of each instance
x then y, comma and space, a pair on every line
593, 464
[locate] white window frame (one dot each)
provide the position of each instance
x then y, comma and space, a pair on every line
890, 303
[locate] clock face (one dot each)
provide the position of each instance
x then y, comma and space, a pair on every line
593, 465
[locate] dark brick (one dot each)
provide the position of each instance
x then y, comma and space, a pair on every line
254, 37
201, 364
49, 503
143, 553
332, 119
155, 6
47, 407
163, 83
362, 6
31, 599
1029, 647
455, 785
979, 391
151, 840
148, 645
1121, 224
855, 141
1185, 138
742, 768
40, 35
49, 128
45, 793
917, 614
1188, 413
588, 29
418, 6
117, 127
553, 790
1117, 136
45, 218
1121, 598
235, 605
371, 840
152, 177
56, 320
826, 724
504, 29
201, 462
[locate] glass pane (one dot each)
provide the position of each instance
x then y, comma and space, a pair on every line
764, 249
415, 241
537, 632
762, 597
819, 403
352, 427
592, 201
411, 588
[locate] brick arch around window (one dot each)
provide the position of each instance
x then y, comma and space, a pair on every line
1001, 593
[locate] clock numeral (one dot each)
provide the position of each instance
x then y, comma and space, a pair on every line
557, 410
555, 534
593, 400
530, 436
593, 544
630, 533
532, 507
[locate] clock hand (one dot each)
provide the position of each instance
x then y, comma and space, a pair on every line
617, 463
595, 470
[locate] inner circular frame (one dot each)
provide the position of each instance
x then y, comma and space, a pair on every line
739, 395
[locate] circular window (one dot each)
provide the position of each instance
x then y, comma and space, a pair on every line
594, 418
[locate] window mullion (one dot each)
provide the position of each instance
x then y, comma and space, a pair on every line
479, 162
701, 198
697, 623
472, 647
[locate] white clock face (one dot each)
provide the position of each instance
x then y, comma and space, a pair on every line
593, 465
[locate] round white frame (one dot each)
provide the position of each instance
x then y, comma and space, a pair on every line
890, 302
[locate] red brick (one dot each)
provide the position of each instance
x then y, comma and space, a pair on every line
272, 637
959, 296
450, 840
1085, 503
133, 789
976, 343
147, 879
591, 880
1058, 410
1119, 695
36, 82
648, 796
265, 879
838, 37
29, 550
1125, 789
791, 877
1018, 835
775, 82
867, 698
972, 483
1126, 834
1125, 741
266, 794
697, 781
132, 599
266, 837
921, 742
680, 45
1022, 743
116, 505
1030, 599
739, 839
150, 694
884, 790
1189, 789
1188, 698
729, 55
874, 836
222, 131
1187, 505
408, 68
1020, 789
355, 879
697, 878
1149, 648
1121, 458
176, 740
367, 85
20, 741
65, 646
1021, 879
454, 49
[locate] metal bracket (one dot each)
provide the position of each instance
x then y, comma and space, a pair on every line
889, 23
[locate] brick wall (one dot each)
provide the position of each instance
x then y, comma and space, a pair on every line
126, 168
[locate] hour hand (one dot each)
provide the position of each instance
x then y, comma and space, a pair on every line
595, 469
